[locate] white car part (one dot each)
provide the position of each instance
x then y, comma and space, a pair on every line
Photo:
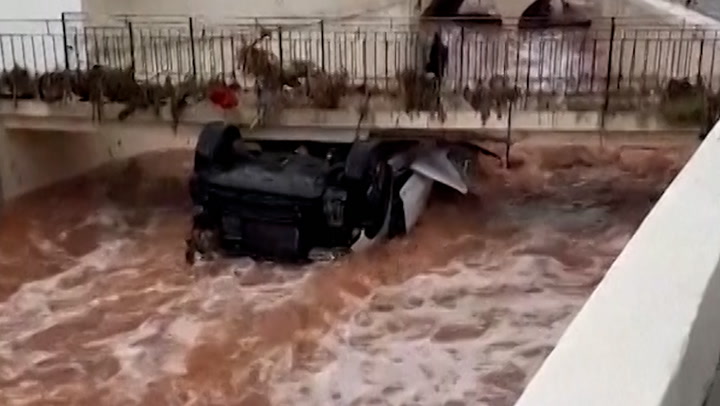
435, 164
430, 166
414, 195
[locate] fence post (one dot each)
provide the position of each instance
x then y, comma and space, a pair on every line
322, 45
606, 104
192, 48
462, 57
280, 45
132, 48
65, 42
700, 58
508, 141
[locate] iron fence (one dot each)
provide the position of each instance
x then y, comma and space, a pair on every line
612, 55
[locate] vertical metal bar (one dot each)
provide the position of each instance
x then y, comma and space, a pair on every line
87, 49
581, 63
65, 42
24, 53
658, 59
506, 62
222, 54
12, 51
168, 53
700, 57
322, 45
508, 141
54, 46
179, 53
387, 51
144, 56
675, 57
156, 56
132, 48
594, 65
44, 46
712, 60
192, 48
566, 60
76, 43
2, 53
97, 47
34, 54
364, 58
527, 79
375, 57
645, 62
606, 104
354, 54
280, 46
517, 60
631, 73
462, 57
542, 63
621, 59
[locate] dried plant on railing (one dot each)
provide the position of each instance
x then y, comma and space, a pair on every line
184, 94
17, 84
144, 96
54, 86
327, 89
420, 92
497, 94
265, 67
682, 102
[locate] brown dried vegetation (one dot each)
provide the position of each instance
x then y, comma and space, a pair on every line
496, 94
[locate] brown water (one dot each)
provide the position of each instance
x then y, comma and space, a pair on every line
98, 307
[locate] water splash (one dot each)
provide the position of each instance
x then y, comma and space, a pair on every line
98, 307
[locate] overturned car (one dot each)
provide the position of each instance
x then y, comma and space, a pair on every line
299, 201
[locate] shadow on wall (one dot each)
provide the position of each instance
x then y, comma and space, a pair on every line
462, 9
540, 14
543, 14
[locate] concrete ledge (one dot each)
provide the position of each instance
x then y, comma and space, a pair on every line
77, 116
650, 333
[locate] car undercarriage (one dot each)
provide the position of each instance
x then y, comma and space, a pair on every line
303, 201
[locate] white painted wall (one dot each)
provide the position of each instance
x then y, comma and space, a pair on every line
37, 9
38, 50
650, 333
238, 8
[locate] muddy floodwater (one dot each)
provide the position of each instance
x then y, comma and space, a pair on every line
97, 306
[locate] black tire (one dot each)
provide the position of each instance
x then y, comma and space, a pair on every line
215, 146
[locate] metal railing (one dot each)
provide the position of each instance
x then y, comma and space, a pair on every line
612, 55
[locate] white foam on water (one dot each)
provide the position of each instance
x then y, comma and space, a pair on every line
473, 332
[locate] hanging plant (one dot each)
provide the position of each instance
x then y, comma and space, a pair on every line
420, 92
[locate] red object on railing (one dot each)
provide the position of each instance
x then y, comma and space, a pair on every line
224, 97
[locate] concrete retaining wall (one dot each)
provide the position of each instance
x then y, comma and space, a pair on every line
650, 333
31, 159
42, 144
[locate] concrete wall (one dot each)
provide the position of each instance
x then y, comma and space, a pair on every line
38, 9
650, 333
236, 9
31, 159
41, 144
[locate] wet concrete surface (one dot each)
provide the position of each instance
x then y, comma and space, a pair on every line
97, 305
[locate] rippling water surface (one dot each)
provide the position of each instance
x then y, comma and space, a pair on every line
98, 307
